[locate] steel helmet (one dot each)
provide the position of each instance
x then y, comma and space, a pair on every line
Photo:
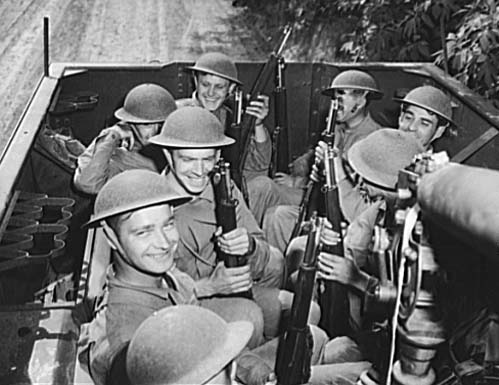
192, 127
431, 99
146, 103
184, 344
216, 63
379, 156
356, 80
132, 190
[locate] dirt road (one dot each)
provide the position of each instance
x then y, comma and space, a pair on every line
135, 31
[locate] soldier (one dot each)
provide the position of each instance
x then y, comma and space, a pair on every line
376, 172
354, 89
215, 78
135, 209
195, 346
426, 112
192, 139
119, 147
191, 345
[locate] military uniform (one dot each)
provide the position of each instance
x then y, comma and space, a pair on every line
103, 159
122, 309
196, 223
144, 104
279, 221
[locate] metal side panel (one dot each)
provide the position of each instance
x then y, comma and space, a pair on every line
22, 138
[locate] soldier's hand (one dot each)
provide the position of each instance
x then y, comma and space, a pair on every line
228, 280
283, 179
125, 135
339, 269
235, 242
320, 150
328, 235
314, 174
259, 109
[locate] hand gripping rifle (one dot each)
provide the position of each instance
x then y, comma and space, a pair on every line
294, 352
281, 114
225, 212
312, 192
333, 299
247, 125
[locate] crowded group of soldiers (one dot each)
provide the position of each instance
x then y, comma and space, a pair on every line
169, 312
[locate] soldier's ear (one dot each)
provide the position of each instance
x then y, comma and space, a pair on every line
363, 99
232, 88
217, 154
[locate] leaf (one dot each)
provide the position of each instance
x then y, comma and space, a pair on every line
427, 21
423, 50
484, 42
481, 58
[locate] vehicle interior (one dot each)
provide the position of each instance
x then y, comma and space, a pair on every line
51, 268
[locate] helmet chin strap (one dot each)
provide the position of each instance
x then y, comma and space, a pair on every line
137, 134
112, 238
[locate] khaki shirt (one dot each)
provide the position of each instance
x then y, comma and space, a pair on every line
196, 223
104, 159
122, 308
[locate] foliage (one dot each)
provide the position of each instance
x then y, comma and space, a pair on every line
393, 30
473, 49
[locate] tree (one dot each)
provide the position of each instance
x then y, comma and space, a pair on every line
461, 36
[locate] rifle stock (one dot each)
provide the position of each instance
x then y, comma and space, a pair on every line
295, 346
313, 189
281, 115
333, 300
226, 216
247, 126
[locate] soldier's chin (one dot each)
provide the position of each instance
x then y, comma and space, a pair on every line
195, 188
211, 106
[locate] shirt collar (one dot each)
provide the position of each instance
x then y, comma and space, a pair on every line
170, 284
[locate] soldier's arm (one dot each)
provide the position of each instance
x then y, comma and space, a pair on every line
93, 165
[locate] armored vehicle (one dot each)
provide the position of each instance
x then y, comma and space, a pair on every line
51, 268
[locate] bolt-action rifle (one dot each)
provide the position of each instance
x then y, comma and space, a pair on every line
333, 300
226, 216
294, 352
312, 192
281, 114
247, 123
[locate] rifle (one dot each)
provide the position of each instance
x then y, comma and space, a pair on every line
247, 125
333, 300
313, 189
281, 114
225, 212
294, 352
